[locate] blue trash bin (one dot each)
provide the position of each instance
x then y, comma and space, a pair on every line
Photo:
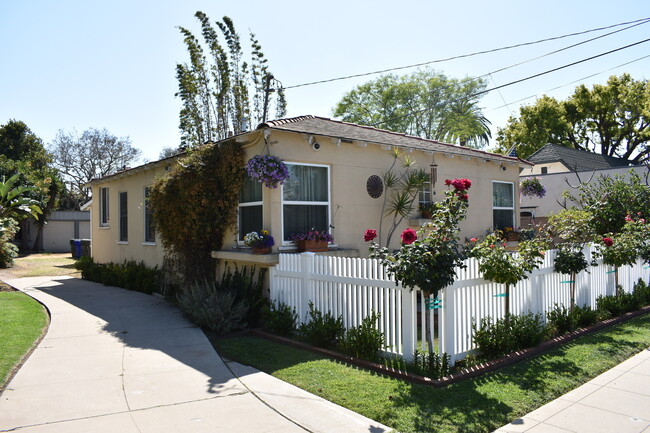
77, 248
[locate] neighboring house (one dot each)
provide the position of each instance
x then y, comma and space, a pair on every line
331, 165
553, 158
60, 228
537, 210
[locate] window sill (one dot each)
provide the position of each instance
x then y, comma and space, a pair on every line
104, 227
150, 244
122, 242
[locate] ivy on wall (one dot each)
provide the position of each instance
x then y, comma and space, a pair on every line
196, 203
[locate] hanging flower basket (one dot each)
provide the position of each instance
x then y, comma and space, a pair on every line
532, 187
268, 169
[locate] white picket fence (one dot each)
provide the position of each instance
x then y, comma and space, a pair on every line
354, 288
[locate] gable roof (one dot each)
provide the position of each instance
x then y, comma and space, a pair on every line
352, 132
575, 159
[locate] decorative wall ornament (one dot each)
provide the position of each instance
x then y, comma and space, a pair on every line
375, 186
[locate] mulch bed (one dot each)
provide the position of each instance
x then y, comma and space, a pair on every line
6, 287
466, 373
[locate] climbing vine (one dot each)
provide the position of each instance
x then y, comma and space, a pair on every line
196, 203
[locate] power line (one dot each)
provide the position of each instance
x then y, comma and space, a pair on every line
466, 55
521, 79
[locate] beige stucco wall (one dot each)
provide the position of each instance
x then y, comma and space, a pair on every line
352, 210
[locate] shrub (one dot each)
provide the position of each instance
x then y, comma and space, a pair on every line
585, 316
210, 306
642, 293
508, 334
130, 275
322, 330
562, 320
364, 341
8, 251
247, 285
618, 304
281, 319
432, 365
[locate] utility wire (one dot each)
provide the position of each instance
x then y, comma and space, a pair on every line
466, 55
521, 80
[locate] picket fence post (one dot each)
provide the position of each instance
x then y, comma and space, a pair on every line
447, 324
306, 271
409, 323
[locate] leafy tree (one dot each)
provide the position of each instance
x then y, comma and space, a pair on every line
610, 199
93, 154
426, 104
222, 95
23, 153
612, 119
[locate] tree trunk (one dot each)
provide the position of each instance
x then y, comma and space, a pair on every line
573, 292
507, 303
38, 243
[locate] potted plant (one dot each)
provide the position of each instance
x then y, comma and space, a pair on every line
261, 242
312, 240
426, 209
267, 169
532, 187
510, 234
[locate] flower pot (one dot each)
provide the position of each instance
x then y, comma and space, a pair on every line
512, 236
314, 246
261, 250
426, 214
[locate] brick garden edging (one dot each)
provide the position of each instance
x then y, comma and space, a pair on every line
466, 373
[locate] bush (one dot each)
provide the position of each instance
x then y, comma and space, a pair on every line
8, 251
209, 305
130, 274
322, 330
642, 293
430, 364
585, 316
562, 320
247, 284
620, 303
508, 334
364, 341
280, 319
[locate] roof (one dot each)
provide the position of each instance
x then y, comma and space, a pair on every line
575, 159
349, 131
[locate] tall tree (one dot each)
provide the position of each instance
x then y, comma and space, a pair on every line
222, 94
425, 103
93, 154
22, 153
612, 119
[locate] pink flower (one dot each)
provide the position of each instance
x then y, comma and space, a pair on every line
473, 240
608, 242
468, 183
369, 235
464, 197
642, 221
460, 184
492, 246
628, 218
408, 236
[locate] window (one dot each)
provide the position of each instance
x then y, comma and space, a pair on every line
124, 218
103, 207
149, 231
424, 195
250, 207
503, 205
305, 199
544, 170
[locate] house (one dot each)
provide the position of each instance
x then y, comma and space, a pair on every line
335, 185
553, 158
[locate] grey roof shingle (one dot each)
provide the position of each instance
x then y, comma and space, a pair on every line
349, 131
574, 159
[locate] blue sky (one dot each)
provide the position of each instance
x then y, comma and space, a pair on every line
74, 64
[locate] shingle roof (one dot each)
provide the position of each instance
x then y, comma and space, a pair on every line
349, 131
574, 159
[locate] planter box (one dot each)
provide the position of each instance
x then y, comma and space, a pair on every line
314, 246
265, 250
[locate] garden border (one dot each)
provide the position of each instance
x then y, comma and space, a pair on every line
466, 373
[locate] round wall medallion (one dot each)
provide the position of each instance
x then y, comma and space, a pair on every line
375, 186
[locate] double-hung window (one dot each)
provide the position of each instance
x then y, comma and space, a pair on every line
124, 217
305, 199
103, 207
149, 231
250, 207
503, 204
424, 194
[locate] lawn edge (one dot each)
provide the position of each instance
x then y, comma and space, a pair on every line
466, 373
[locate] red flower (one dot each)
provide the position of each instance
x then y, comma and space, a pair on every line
447, 182
408, 236
608, 242
473, 240
369, 235
464, 197
460, 184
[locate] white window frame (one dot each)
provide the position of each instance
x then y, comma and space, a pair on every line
145, 199
501, 207
307, 203
424, 191
249, 204
104, 216
119, 217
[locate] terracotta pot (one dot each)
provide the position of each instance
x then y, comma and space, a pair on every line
262, 250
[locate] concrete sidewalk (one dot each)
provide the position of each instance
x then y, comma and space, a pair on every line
617, 401
120, 361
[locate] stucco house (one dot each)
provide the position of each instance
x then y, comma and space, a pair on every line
553, 158
333, 186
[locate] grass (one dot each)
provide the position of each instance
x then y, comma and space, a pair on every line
22, 320
482, 404
39, 265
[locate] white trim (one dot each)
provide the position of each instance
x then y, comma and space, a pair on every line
119, 217
312, 203
513, 220
149, 243
104, 212
122, 242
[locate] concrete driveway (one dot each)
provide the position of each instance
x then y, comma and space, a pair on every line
114, 360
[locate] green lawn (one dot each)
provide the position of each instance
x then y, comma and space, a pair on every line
22, 320
475, 405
